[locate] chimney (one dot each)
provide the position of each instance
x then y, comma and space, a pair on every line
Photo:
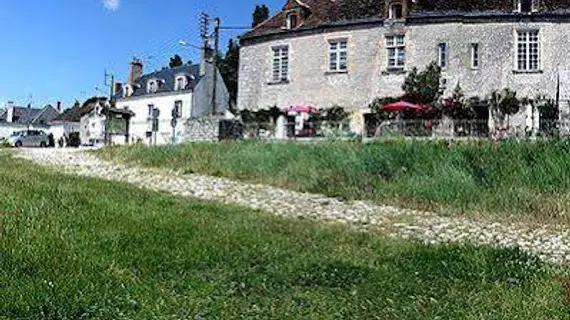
136, 71
9, 111
118, 87
59, 108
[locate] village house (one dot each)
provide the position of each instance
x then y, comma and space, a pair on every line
89, 121
165, 103
322, 53
15, 118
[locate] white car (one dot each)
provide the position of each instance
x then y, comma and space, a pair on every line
28, 138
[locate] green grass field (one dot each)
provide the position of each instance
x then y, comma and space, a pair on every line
78, 248
524, 181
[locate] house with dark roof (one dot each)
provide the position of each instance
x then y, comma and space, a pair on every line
322, 53
28, 115
162, 101
15, 118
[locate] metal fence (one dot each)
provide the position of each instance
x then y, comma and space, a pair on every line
416, 129
389, 129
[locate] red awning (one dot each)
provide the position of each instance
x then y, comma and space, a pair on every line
401, 106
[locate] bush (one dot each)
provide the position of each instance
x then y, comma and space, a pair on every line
4, 143
51, 140
73, 140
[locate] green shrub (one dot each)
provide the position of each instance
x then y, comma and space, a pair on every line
51, 140
74, 140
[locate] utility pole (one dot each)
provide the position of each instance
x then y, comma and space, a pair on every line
215, 63
111, 85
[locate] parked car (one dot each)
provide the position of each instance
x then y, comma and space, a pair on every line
28, 138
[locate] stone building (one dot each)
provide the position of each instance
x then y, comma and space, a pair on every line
347, 52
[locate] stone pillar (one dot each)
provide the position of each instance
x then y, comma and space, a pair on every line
281, 130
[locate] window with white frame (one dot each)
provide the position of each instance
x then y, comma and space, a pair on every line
475, 56
396, 11
181, 83
127, 91
338, 55
178, 109
528, 50
152, 86
396, 51
280, 64
523, 6
442, 55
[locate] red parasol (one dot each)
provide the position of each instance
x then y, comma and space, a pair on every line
401, 106
301, 109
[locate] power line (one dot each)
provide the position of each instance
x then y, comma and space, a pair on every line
234, 28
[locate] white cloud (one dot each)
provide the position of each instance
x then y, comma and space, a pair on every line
112, 5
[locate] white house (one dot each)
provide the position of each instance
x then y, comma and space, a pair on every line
173, 96
16, 118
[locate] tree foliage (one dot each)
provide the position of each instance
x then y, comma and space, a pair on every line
229, 68
423, 87
458, 107
175, 61
334, 114
260, 14
262, 116
505, 101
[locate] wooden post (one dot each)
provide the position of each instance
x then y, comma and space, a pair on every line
127, 128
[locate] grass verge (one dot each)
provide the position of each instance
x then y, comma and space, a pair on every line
524, 181
77, 248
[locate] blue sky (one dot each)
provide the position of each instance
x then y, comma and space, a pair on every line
58, 49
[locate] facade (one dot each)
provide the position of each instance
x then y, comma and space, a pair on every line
185, 90
93, 121
92, 125
338, 53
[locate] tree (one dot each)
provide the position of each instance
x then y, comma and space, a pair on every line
229, 68
509, 103
505, 103
260, 14
457, 106
423, 87
176, 61
334, 114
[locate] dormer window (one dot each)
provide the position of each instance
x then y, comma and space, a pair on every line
523, 6
127, 91
396, 11
181, 83
152, 86
291, 20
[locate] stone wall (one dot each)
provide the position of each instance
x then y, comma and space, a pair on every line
211, 129
367, 77
201, 130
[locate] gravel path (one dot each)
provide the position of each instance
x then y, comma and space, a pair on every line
550, 242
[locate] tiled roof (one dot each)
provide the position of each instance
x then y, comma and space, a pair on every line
46, 116
321, 11
75, 113
337, 12
72, 114
23, 115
